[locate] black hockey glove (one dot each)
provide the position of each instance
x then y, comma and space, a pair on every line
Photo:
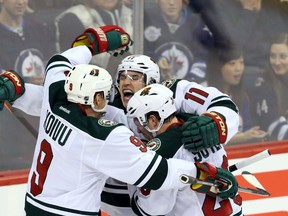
201, 132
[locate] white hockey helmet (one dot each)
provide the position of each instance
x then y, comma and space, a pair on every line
142, 64
152, 98
84, 80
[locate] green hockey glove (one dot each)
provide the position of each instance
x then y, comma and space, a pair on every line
201, 132
11, 86
110, 38
227, 185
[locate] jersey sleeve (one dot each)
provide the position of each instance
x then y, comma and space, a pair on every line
125, 158
31, 101
193, 98
149, 202
60, 64
116, 114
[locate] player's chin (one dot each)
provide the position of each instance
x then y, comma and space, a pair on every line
125, 99
124, 102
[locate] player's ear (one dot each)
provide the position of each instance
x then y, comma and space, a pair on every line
153, 120
98, 97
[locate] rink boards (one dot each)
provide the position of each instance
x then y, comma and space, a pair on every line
272, 172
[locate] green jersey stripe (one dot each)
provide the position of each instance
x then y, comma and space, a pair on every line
159, 176
58, 207
224, 103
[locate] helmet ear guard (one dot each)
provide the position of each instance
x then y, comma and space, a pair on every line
83, 81
152, 98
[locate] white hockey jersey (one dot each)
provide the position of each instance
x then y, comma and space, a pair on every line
184, 202
75, 153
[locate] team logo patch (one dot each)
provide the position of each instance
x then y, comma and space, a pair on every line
30, 65
169, 83
154, 144
145, 91
106, 123
179, 58
152, 33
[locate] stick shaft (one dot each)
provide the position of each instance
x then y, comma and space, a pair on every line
258, 191
248, 161
24, 121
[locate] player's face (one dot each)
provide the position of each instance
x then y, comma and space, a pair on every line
279, 58
129, 83
232, 71
14, 8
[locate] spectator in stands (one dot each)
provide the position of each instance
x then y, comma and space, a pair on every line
177, 39
92, 13
284, 13
25, 45
247, 23
225, 70
270, 102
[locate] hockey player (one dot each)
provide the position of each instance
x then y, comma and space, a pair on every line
134, 73
137, 71
154, 108
76, 149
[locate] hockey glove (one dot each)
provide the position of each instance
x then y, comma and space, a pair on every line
11, 86
110, 38
201, 132
227, 185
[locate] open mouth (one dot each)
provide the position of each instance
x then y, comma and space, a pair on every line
127, 94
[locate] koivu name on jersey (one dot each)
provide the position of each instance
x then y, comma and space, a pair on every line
205, 153
55, 129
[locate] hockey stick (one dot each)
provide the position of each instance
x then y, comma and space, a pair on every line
249, 177
19, 116
185, 179
253, 159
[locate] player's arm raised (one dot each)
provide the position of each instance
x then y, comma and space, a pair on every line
110, 38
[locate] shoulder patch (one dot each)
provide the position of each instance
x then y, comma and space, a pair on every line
169, 83
107, 123
154, 144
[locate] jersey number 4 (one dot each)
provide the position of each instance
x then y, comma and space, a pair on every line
43, 162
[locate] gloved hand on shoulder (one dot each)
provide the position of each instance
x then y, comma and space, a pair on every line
109, 38
205, 131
